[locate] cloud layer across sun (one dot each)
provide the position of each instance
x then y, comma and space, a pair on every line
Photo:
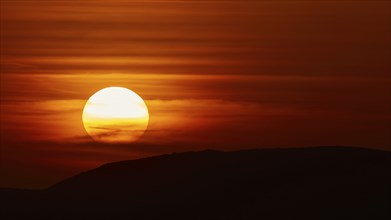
214, 74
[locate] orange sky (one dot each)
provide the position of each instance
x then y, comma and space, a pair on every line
214, 74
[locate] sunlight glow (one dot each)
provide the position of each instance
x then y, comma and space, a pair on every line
115, 115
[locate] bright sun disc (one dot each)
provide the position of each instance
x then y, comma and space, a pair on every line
115, 115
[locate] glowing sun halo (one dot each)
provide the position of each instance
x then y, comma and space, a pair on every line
115, 115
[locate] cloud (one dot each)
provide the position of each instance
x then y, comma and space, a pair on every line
184, 37
214, 74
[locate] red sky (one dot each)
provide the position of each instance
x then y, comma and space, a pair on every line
214, 74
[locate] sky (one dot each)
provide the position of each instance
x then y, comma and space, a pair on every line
224, 75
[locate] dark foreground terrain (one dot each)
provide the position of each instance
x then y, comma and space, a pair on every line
307, 183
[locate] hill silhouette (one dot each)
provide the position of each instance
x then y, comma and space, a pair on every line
302, 183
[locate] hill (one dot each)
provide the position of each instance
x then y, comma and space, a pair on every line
309, 183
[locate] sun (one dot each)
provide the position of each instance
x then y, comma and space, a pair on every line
115, 115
